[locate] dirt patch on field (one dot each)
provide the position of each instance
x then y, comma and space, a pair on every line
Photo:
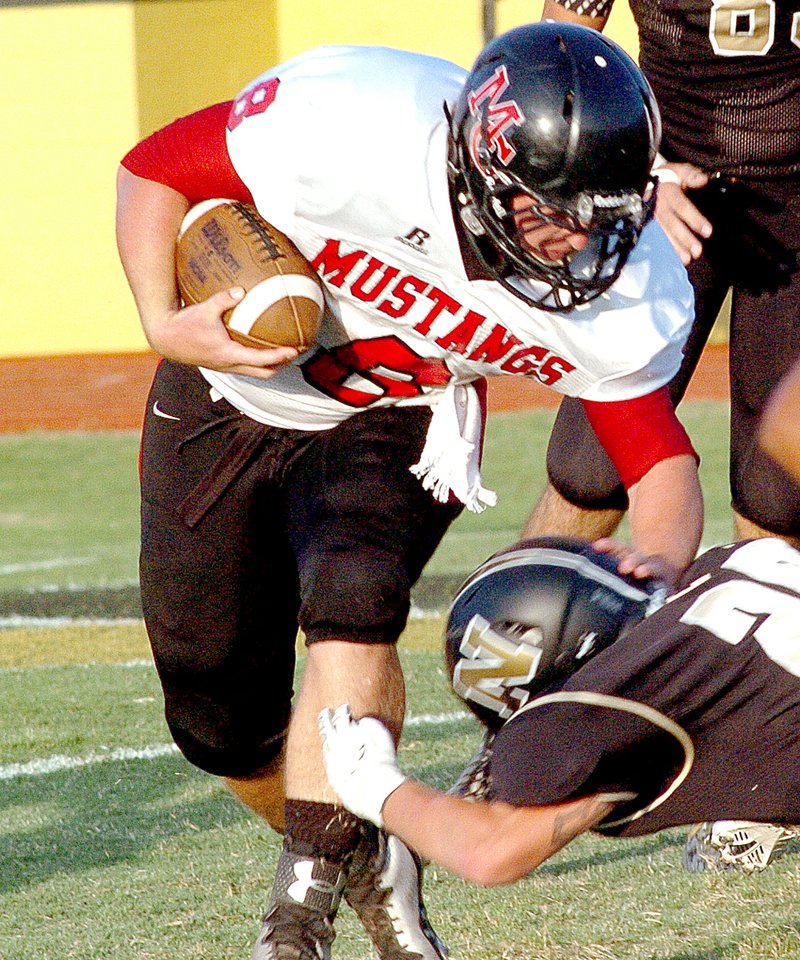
109, 391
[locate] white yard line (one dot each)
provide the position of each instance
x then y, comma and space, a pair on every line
59, 761
52, 564
17, 622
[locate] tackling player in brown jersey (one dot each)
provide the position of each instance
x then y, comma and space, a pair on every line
727, 81
690, 714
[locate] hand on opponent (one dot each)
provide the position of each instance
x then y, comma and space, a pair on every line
634, 563
682, 222
360, 759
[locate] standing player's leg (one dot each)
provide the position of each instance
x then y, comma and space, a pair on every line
765, 341
221, 613
362, 529
779, 429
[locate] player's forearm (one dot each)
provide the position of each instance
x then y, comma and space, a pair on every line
474, 841
149, 215
666, 512
488, 843
555, 11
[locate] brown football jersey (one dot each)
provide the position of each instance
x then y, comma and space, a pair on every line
693, 716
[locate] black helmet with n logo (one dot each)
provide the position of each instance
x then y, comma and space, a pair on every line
530, 616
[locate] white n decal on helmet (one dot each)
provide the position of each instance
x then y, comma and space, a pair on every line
495, 668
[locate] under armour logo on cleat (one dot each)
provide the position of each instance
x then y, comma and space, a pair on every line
298, 890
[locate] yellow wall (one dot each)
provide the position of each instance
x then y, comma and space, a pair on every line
191, 53
66, 110
445, 28
81, 82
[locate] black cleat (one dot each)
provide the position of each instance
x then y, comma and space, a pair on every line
293, 933
298, 924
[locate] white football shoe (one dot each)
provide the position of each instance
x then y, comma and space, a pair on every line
735, 845
384, 888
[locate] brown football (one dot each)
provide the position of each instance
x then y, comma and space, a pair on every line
225, 243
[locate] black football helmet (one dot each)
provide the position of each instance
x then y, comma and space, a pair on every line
531, 615
561, 114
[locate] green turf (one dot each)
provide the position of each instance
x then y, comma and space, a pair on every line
69, 509
144, 859
149, 859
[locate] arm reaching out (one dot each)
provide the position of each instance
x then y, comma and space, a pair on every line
484, 842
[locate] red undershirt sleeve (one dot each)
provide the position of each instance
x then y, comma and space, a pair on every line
191, 156
639, 433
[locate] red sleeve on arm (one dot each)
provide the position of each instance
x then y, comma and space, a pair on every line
637, 434
191, 156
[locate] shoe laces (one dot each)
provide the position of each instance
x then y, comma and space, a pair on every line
292, 932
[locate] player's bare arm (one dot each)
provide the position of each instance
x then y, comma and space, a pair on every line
666, 519
149, 215
657, 464
551, 10
488, 843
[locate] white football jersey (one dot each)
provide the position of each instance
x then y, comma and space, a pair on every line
344, 149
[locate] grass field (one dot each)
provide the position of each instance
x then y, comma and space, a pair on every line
69, 514
112, 846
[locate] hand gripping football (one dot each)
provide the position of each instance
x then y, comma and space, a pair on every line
224, 244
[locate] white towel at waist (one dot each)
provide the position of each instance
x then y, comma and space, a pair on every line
450, 459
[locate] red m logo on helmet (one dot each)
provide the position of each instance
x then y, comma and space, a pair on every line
496, 116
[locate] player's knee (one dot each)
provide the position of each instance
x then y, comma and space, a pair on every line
578, 467
586, 485
356, 596
224, 752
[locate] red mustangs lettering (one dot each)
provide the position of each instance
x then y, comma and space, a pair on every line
388, 367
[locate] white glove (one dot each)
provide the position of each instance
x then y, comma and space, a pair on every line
360, 759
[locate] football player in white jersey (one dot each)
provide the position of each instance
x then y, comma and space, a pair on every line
464, 225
